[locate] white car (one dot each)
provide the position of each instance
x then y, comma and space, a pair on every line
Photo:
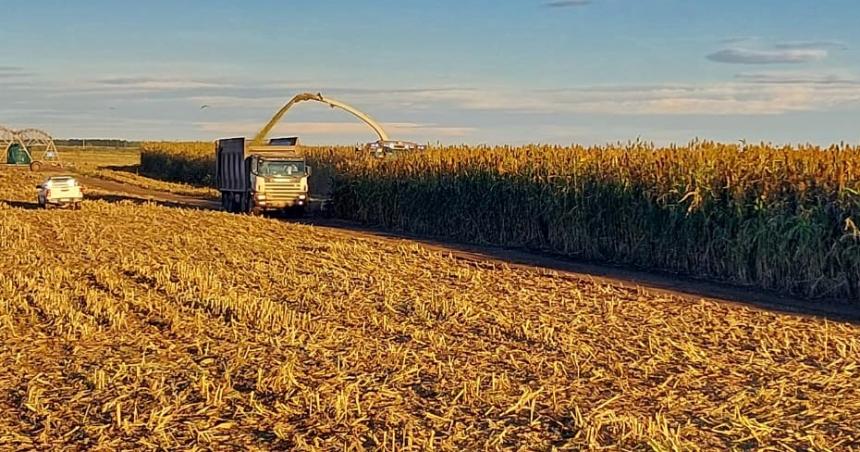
60, 191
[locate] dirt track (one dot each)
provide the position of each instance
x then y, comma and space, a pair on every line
116, 187
625, 277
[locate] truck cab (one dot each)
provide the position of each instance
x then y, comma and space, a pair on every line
256, 179
278, 183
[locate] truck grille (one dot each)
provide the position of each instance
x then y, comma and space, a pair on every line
283, 190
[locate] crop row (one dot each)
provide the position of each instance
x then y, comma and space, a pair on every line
779, 218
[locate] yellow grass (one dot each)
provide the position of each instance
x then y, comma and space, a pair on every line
137, 326
94, 158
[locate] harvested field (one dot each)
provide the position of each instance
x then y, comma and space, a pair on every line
707, 210
131, 177
138, 326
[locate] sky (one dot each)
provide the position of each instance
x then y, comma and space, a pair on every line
447, 71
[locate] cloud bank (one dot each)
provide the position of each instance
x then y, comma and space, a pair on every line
566, 3
249, 128
794, 45
779, 56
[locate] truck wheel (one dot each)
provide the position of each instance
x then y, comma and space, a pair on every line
230, 203
236, 203
246, 204
253, 209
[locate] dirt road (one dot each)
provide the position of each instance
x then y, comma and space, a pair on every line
618, 276
146, 194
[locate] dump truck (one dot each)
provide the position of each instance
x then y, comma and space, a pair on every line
261, 178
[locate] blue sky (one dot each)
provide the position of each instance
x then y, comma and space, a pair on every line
451, 71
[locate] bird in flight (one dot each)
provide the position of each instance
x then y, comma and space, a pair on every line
203, 107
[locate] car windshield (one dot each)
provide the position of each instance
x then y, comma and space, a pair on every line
268, 168
60, 181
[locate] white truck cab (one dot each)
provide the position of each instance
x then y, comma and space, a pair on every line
266, 178
60, 191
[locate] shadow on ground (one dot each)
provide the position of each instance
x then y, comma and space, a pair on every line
115, 199
834, 309
133, 169
22, 205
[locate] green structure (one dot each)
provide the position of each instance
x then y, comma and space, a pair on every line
20, 147
17, 155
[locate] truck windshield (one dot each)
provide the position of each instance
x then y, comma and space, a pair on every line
270, 168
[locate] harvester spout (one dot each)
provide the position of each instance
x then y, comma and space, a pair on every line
260, 139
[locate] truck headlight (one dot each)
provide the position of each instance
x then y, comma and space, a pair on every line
302, 197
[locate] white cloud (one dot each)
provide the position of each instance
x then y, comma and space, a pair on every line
566, 3
780, 56
811, 45
793, 77
738, 39
731, 98
238, 101
358, 97
157, 84
13, 72
764, 93
403, 129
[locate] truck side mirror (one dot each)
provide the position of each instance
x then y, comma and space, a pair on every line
310, 170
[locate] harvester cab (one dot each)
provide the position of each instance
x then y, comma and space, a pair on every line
286, 141
385, 148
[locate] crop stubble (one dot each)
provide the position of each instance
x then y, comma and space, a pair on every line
127, 325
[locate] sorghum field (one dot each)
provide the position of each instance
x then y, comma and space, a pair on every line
136, 326
777, 218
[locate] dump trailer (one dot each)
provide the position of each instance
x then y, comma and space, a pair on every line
261, 178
